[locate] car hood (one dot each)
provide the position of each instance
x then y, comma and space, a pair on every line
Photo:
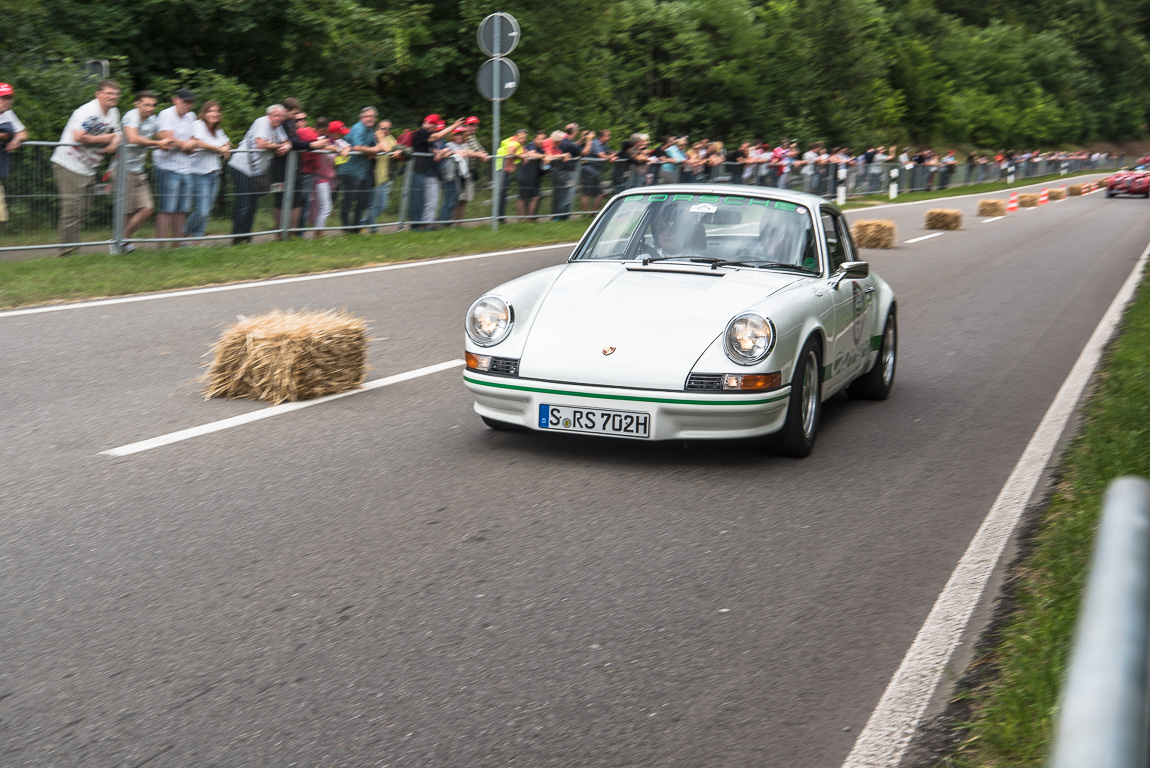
643, 327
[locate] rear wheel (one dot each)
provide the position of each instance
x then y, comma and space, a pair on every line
503, 426
876, 383
805, 407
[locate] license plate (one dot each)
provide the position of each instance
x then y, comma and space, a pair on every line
595, 421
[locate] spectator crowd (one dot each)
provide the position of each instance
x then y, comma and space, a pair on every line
319, 163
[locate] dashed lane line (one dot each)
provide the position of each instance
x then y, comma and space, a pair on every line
275, 410
924, 237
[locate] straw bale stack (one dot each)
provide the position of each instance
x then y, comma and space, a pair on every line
1028, 200
874, 233
1057, 193
991, 207
944, 218
1075, 190
286, 356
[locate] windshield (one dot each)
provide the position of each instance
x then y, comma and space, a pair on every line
717, 229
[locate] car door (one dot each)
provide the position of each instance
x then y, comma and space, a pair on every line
852, 299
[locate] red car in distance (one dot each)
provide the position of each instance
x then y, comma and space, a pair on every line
1132, 181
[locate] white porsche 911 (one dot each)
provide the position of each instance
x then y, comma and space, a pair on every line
688, 312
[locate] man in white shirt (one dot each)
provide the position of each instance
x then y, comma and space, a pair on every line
12, 135
140, 127
249, 167
177, 124
92, 132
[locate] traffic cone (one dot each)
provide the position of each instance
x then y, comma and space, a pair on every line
1044, 196
1012, 204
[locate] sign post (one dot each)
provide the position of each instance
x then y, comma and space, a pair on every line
498, 78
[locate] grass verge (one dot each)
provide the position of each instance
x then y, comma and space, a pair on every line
42, 280
1012, 709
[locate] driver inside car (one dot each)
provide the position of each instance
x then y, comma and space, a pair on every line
676, 232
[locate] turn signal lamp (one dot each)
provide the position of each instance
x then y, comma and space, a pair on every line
751, 381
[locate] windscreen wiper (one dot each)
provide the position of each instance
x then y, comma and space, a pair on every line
765, 265
696, 259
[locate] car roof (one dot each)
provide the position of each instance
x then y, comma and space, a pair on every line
746, 190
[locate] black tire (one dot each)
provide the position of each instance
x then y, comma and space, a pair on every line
877, 383
805, 407
503, 426
1110, 193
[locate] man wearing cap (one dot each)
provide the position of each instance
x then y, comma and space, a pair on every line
140, 127
324, 174
476, 155
176, 124
12, 135
432, 129
92, 132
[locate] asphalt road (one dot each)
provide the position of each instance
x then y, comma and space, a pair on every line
381, 580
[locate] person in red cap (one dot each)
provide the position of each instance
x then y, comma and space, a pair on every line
12, 135
423, 166
324, 174
477, 155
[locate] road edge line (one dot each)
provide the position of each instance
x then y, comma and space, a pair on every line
894, 721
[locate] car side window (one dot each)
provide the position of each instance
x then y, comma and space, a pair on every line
836, 243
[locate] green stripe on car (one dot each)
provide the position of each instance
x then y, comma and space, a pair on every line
631, 398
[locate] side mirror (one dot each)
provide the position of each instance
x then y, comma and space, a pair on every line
850, 270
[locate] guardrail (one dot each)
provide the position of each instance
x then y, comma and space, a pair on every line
1103, 722
238, 208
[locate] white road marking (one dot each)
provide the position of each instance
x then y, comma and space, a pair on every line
992, 218
924, 237
274, 281
275, 410
891, 726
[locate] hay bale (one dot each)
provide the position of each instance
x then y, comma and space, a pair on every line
1075, 190
874, 233
991, 207
286, 356
1028, 200
944, 218
1057, 193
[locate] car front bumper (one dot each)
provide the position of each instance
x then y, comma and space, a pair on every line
674, 415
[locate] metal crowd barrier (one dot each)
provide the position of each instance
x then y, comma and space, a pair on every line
1102, 721
410, 200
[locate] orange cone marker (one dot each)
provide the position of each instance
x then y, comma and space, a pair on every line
1012, 204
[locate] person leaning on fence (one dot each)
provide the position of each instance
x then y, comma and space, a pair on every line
596, 153
476, 156
424, 182
563, 176
249, 168
140, 126
324, 177
212, 147
92, 132
177, 123
294, 119
388, 150
12, 135
509, 151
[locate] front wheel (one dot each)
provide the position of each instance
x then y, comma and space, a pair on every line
876, 383
805, 407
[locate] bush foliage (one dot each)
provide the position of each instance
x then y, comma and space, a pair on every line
991, 74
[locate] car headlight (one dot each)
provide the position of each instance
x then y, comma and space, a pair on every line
749, 338
489, 321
